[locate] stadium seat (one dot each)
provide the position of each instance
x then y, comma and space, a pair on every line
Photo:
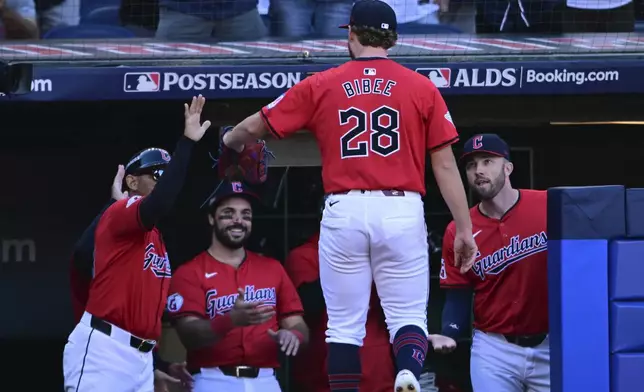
108, 15
89, 31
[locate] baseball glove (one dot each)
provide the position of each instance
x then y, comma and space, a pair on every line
249, 166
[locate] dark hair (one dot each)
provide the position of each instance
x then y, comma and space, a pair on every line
368, 36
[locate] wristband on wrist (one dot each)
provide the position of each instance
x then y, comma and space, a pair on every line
298, 334
222, 325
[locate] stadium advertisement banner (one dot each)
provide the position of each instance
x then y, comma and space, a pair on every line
224, 82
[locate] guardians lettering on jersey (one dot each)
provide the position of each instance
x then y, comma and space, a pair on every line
220, 305
518, 249
160, 265
368, 86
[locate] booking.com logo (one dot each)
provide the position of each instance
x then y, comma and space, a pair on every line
565, 76
14, 250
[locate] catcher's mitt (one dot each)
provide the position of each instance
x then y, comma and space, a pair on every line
249, 166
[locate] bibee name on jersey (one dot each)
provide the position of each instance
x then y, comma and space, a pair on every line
518, 249
220, 305
159, 265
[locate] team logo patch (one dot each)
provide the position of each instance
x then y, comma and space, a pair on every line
220, 305
159, 265
518, 249
141, 82
441, 77
275, 102
443, 273
175, 302
131, 201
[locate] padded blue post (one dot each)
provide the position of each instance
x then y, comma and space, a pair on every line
635, 213
581, 220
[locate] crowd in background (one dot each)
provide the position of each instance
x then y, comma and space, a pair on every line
235, 20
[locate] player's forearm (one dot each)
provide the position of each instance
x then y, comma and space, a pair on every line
200, 333
162, 198
450, 184
252, 128
456, 312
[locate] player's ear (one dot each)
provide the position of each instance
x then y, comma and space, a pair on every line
508, 168
132, 182
211, 218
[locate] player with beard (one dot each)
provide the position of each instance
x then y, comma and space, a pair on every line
233, 309
510, 346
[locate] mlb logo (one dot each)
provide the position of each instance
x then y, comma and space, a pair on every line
138, 82
441, 77
370, 72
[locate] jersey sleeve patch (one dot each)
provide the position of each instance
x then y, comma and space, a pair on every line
175, 302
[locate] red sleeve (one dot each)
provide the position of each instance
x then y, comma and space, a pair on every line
450, 276
441, 131
288, 300
122, 218
301, 265
291, 111
187, 297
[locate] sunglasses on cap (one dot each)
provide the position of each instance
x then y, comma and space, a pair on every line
155, 173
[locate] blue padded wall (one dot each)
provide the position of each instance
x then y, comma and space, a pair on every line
626, 270
635, 216
581, 221
627, 327
628, 373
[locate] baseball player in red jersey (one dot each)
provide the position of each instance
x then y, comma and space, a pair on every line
111, 347
510, 346
374, 121
234, 310
309, 370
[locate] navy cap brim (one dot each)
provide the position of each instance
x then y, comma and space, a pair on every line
469, 154
344, 26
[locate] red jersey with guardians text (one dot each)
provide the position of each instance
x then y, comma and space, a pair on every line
310, 370
374, 121
205, 287
509, 276
131, 272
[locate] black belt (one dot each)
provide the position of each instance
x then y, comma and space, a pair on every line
386, 192
526, 340
240, 371
103, 326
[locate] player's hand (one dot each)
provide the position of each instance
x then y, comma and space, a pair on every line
180, 372
163, 381
194, 130
245, 313
117, 184
289, 343
465, 250
442, 344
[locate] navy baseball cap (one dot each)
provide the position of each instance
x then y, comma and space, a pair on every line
372, 13
227, 190
488, 143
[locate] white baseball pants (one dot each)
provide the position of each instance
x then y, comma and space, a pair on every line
373, 236
95, 362
499, 366
212, 379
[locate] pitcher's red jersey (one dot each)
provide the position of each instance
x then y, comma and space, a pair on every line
509, 276
131, 272
205, 287
309, 370
374, 121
